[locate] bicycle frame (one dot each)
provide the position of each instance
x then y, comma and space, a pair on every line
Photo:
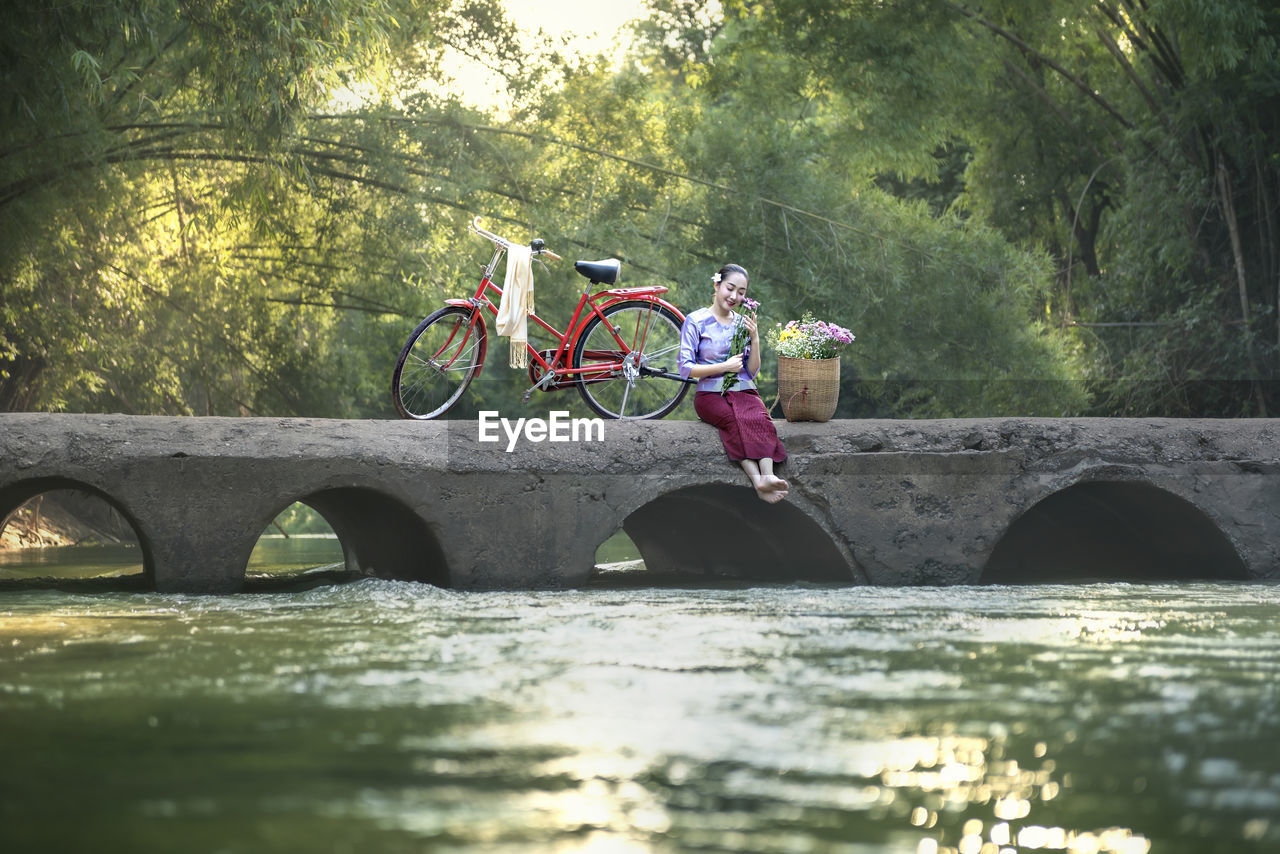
556, 369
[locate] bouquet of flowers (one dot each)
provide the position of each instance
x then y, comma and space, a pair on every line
808, 338
738, 342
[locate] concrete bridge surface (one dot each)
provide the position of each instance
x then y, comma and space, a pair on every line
1009, 500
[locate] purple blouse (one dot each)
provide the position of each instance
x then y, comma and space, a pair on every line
705, 341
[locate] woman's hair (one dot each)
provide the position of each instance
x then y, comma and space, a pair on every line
726, 270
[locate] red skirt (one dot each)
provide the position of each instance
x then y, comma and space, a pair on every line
746, 430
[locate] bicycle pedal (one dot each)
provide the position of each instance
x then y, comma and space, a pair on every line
524, 398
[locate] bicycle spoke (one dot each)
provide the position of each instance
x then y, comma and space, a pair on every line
622, 381
651, 354
622, 407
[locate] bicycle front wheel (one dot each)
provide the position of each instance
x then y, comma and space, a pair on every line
631, 361
438, 362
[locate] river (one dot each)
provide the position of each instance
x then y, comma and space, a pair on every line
381, 716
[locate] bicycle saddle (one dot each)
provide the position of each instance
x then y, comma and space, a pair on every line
599, 272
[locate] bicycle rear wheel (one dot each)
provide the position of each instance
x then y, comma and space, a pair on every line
438, 362
637, 354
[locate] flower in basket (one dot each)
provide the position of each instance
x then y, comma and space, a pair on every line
809, 366
809, 338
738, 343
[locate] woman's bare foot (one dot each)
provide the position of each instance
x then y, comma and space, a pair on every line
771, 489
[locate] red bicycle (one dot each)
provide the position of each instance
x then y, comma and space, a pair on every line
620, 348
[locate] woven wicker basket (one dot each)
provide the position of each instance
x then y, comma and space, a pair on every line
808, 388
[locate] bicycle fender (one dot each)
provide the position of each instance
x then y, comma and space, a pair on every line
645, 293
479, 320
645, 296
678, 312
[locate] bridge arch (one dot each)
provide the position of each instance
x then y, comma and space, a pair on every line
14, 495
379, 534
722, 531
1112, 530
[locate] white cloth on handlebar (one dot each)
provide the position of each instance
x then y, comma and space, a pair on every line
517, 303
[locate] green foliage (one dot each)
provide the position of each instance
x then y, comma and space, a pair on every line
299, 518
180, 231
191, 223
945, 310
1135, 142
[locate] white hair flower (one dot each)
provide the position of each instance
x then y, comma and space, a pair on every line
716, 279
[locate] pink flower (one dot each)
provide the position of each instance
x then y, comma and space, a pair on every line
810, 338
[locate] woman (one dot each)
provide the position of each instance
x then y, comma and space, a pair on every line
746, 431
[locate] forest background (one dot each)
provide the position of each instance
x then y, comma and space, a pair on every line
243, 207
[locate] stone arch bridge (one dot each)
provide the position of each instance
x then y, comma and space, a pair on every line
874, 502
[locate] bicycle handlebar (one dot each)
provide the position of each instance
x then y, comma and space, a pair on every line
506, 244
475, 226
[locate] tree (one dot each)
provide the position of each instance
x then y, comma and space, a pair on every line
945, 309
163, 179
202, 231
1134, 140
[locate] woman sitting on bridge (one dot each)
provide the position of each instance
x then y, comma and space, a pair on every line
721, 350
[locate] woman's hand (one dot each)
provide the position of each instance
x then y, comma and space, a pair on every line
733, 364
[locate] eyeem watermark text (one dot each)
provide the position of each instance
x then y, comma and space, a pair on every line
558, 428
